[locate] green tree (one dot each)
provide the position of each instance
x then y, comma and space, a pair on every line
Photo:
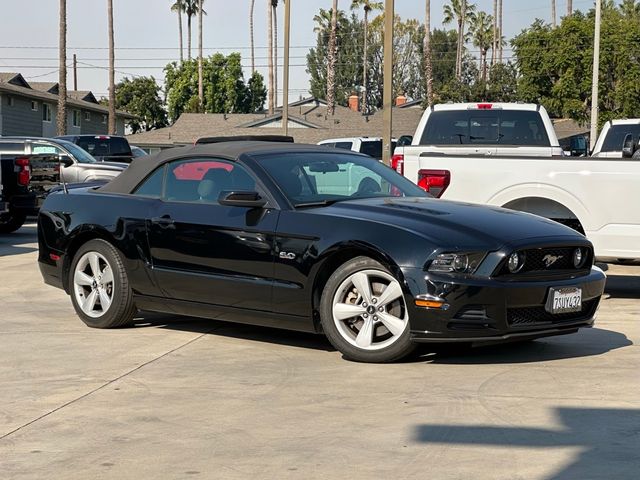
481, 29
459, 12
555, 64
225, 90
140, 96
368, 6
178, 7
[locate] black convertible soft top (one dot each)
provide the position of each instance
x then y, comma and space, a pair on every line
141, 167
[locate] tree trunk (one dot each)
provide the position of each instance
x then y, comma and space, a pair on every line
112, 73
363, 107
331, 67
553, 13
500, 31
200, 76
253, 52
483, 61
459, 51
428, 65
569, 7
188, 36
180, 32
270, 49
61, 119
494, 44
275, 57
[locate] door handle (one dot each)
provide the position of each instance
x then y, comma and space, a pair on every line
164, 221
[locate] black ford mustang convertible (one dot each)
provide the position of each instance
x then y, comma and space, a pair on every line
313, 239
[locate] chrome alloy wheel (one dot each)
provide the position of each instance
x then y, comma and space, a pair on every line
93, 284
369, 310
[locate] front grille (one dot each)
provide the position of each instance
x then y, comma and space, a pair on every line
549, 261
532, 316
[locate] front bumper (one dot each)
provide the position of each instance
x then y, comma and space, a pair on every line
483, 310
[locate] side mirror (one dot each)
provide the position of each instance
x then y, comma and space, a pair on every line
241, 199
627, 146
579, 146
404, 140
65, 160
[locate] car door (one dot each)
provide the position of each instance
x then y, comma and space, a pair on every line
206, 252
70, 174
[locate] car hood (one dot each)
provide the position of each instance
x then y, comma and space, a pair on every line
110, 166
455, 224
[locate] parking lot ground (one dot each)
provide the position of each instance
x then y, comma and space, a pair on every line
174, 398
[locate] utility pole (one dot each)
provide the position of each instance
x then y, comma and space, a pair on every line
285, 80
387, 90
594, 82
75, 72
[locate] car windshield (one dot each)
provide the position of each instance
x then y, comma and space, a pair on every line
78, 153
319, 178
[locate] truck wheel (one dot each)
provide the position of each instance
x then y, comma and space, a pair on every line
11, 221
364, 314
99, 286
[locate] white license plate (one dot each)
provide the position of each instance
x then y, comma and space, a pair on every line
564, 300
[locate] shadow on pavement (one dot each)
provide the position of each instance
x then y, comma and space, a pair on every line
18, 242
608, 440
586, 343
234, 330
623, 286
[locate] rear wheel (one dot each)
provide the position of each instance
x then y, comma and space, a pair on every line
11, 221
364, 314
99, 286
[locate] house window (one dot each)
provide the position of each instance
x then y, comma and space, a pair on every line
104, 119
10, 101
87, 116
75, 118
46, 112
34, 106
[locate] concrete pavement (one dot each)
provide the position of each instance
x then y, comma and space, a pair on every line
175, 398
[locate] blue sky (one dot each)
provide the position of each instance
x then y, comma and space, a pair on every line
147, 38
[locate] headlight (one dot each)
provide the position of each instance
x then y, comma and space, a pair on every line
456, 262
579, 258
515, 262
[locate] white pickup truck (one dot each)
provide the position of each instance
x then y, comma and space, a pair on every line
483, 153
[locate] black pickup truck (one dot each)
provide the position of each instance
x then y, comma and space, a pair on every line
25, 181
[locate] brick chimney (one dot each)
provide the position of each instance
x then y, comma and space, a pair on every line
354, 103
400, 100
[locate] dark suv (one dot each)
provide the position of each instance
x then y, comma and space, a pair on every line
104, 148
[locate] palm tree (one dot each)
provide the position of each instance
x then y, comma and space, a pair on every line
331, 60
270, 55
460, 12
482, 36
253, 52
495, 33
200, 79
569, 7
553, 13
179, 8
368, 7
112, 79
428, 65
191, 10
61, 120
499, 31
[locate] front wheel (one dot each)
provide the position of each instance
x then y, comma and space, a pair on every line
364, 314
99, 286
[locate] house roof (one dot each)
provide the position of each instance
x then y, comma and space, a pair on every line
14, 83
566, 127
50, 87
85, 95
316, 125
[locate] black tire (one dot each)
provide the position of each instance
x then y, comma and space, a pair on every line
122, 308
11, 221
402, 347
